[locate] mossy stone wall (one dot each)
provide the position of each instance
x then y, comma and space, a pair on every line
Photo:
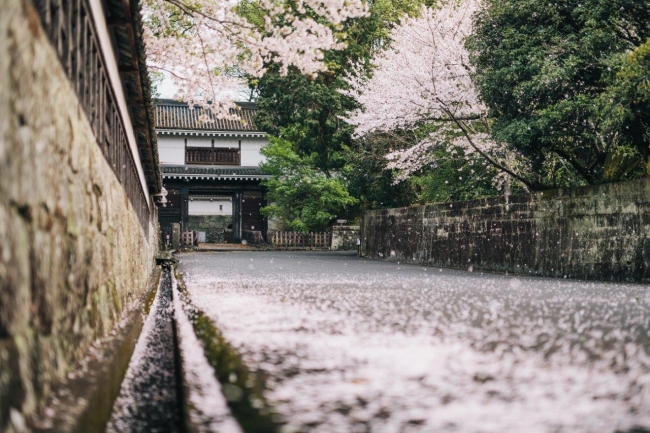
597, 232
344, 238
73, 255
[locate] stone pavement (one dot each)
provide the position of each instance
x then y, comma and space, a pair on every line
348, 344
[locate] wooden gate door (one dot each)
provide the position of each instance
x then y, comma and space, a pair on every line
252, 219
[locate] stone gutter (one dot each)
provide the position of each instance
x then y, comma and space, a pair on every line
84, 401
216, 390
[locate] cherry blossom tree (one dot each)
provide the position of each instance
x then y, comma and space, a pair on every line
206, 46
425, 78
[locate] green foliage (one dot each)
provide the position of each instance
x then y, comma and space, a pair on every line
625, 110
179, 23
453, 178
310, 107
552, 76
368, 179
306, 111
450, 176
303, 197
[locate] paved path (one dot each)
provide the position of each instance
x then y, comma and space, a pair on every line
352, 344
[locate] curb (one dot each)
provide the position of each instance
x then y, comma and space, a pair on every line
240, 389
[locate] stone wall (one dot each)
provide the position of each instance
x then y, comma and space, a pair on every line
344, 238
215, 227
73, 255
600, 232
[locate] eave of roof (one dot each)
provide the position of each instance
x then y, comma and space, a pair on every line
212, 172
167, 101
125, 23
191, 132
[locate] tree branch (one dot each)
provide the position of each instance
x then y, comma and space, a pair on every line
584, 171
531, 185
449, 119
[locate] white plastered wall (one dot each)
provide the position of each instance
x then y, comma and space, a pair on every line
207, 207
226, 142
199, 142
250, 151
171, 150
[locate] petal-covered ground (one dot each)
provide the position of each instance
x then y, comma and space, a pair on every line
351, 344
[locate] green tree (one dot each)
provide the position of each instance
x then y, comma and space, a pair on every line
368, 179
306, 112
454, 177
450, 175
551, 74
625, 110
300, 195
311, 107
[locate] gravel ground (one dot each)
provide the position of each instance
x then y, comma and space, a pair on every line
351, 344
148, 398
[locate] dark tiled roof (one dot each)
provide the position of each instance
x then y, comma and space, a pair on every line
211, 171
172, 114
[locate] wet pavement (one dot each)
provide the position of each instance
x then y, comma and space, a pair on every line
149, 400
351, 344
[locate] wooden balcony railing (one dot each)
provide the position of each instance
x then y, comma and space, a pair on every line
212, 155
70, 26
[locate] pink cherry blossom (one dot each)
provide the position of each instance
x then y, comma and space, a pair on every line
206, 46
425, 77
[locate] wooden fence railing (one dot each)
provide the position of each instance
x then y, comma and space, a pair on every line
300, 241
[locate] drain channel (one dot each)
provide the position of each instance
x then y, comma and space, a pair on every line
150, 398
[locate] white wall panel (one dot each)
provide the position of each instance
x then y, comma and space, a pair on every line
199, 142
225, 142
250, 151
171, 150
207, 207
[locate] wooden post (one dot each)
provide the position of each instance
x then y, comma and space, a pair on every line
176, 236
185, 217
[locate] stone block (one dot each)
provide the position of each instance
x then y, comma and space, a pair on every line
597, 232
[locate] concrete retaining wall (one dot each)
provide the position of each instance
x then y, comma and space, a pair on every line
73, 255
600, 232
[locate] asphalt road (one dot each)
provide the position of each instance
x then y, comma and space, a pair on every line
351, 344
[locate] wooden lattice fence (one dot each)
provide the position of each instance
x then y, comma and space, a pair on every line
300, 241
